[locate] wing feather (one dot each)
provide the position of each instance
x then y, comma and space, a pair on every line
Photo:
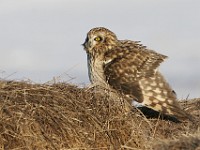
134, 56
129, 62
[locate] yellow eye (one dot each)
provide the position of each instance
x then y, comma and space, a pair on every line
98, 38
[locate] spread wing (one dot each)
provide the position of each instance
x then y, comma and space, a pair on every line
127, 64
131, 69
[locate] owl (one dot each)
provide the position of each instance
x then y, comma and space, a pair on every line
130, 69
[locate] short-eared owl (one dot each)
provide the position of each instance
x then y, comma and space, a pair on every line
130, 68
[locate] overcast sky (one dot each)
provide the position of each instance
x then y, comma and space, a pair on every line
41, 39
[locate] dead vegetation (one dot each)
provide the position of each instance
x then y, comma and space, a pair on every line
63, 116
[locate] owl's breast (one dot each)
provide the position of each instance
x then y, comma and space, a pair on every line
95, 70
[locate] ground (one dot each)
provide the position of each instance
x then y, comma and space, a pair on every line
64, 116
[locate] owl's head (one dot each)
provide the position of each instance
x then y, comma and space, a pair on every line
99, 39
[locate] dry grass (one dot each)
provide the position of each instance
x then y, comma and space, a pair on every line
63, 116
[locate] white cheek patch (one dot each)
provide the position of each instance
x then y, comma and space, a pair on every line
92, 43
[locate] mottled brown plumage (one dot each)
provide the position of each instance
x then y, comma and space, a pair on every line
130, 69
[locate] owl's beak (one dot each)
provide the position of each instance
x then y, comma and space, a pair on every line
85, 44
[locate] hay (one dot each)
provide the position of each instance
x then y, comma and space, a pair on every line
191, 142
63, 116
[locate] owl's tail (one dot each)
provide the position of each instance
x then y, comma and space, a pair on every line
158, 95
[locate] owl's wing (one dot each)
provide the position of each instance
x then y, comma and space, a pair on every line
134, 57
132, 70
158, 95
127, 63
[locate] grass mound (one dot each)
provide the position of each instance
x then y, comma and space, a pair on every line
63, 116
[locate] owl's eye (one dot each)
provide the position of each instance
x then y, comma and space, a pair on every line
98, 39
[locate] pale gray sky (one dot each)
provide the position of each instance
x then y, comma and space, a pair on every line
41, 39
